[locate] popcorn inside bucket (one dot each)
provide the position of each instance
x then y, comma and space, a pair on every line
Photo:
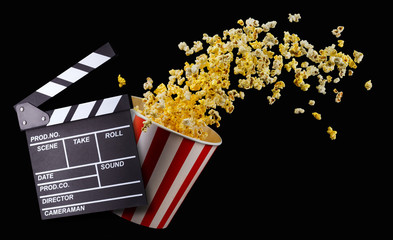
171, 163
211, 136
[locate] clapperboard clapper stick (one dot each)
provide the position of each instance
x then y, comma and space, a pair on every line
84, 157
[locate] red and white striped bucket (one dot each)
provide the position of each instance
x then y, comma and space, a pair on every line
171, 163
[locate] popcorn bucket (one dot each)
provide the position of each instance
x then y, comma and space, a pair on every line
171, 162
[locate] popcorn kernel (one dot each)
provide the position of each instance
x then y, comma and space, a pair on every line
368, 85
317, 115
299, 111
121, 81
294, 18
332, 133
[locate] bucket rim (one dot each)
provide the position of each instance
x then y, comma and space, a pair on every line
216, 143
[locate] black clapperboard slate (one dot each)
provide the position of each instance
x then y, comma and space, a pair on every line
84, 157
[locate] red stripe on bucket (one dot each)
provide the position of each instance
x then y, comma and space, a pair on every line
185, 184
138, 124
154, 153
174, 168
128, 213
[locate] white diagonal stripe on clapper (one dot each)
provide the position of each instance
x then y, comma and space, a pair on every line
177, 183
72, 74
59, 115
51, 89
158, 174
94, 60
108, 105
83, 110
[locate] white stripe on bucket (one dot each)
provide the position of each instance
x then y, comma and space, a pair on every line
145, 139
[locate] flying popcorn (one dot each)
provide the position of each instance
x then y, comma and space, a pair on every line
337, 32
368, 85
332, 133
121, 81
294, 18
190, 100
317, 115
299, 111
148, 84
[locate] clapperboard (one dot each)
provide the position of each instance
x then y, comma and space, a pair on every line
84, 157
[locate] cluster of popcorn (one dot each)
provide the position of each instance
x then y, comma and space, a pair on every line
190, 100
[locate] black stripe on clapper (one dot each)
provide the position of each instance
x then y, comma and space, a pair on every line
95, 108
124, 103
106, 50
71, 113
83, 67
36, 98
61, 82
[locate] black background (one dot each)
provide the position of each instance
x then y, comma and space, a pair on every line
275, 173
